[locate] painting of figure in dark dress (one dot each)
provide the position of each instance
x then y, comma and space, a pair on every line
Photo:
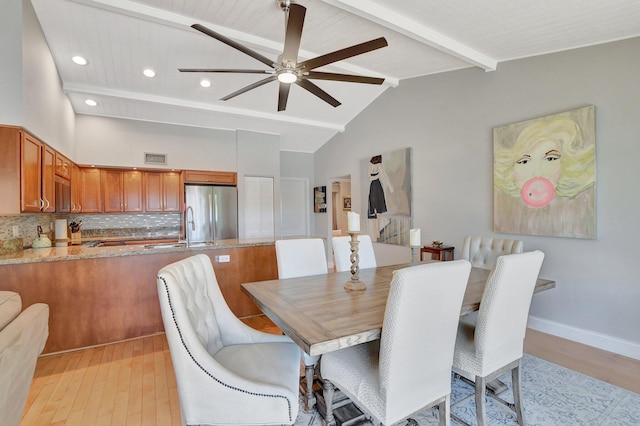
377, 202
387, 197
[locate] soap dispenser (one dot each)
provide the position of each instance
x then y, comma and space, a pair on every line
42, 241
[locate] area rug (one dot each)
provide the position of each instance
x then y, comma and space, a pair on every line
553, 396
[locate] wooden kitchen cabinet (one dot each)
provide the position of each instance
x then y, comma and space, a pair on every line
31, 172
27, 173
63, 166
162, 192
98, 300
48, 176
218, 178
76, 189
90, 190
121, 190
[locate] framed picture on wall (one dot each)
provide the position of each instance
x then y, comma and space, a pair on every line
320, 199
544, 175
346, 203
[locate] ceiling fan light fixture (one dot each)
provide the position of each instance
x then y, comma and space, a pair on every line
287, 76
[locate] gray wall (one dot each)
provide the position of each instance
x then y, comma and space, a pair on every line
11, 63
447, 119
30, 91
118, 142
47, 111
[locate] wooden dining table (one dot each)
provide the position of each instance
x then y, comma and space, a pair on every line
320, 316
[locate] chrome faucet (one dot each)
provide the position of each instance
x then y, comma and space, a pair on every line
192, 222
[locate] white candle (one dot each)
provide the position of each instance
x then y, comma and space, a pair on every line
353, 222
414, 237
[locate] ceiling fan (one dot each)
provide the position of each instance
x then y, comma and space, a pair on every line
286, 69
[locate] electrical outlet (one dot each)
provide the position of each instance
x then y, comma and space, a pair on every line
16, 230
223, 258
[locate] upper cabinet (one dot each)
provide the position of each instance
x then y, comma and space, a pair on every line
121, 191
22, 171
163, 191
63, 166
90, 190
76, 189
31, 174
218, 178
48, 176
36, 178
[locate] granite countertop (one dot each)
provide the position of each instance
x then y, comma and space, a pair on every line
53, 254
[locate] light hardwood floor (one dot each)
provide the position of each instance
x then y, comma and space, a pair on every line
132, 382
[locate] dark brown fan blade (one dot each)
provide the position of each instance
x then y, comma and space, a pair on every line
226, 70
233, 44
316, 75
283, 96
345, 53
306, 84
294, 33
249, 87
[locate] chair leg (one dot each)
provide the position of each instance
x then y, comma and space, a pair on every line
481, 410
444, 408
311, 399
328, 400
517, 396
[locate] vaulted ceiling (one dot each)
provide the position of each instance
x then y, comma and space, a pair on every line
121, 38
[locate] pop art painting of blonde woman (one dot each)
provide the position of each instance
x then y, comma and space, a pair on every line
544, 176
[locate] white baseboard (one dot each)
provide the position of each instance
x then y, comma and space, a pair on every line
587, 337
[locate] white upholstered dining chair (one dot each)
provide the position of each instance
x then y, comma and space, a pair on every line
409, 368
226, 372
342, 252
492, 344
482, 252
301, 257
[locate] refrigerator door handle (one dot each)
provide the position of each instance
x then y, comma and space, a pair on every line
211, 228
215, 217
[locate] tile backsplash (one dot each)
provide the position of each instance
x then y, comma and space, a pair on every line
92, 225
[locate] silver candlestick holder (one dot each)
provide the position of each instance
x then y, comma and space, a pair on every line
354, 283
415, 250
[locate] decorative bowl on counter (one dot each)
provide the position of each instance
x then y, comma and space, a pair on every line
437, 243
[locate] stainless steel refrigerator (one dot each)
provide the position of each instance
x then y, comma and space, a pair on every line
211, 212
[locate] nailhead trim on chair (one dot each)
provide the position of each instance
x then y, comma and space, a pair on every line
205, 371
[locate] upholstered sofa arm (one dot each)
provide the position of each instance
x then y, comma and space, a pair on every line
21, 341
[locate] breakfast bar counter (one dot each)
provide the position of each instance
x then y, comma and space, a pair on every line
99, 295
74, 252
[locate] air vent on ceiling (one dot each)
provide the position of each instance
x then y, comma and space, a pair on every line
150, 158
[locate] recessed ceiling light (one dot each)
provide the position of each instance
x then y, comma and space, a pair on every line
149, 72
205, 83
79, 60
91, 102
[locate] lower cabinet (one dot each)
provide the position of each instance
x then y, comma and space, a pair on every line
102, 300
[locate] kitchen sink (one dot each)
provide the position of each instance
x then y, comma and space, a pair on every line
202, 244
165, 245
180, 244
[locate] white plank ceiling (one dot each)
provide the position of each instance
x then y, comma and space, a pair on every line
120, 38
